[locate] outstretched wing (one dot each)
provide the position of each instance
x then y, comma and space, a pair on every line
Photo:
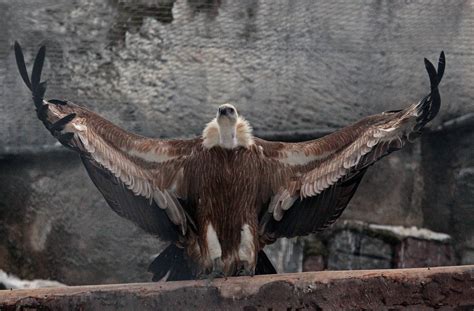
139, 177
326, 172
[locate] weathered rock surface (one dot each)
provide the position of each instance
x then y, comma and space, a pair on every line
411, 253
8, 281
448, 288
321, 64
352, 251
355, 245
448, 196
71, 236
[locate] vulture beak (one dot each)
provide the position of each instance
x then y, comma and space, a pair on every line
223, 111
227, 110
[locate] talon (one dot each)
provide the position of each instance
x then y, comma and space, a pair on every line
216, 272
245, 272
215, 275
245, 269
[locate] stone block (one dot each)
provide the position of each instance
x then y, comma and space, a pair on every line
353, 245
413, 253
350, 250
467, 257
314, 263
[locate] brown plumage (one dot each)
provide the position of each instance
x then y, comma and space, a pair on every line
220, 198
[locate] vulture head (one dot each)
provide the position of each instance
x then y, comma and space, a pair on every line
227, 130
227, 115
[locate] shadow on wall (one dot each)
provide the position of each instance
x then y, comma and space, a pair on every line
132, 13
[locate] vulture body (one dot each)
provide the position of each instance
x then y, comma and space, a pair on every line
220, 198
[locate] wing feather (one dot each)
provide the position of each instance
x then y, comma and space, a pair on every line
330, 169
143, 212
138, 176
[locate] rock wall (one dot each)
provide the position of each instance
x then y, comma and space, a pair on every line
296, 70
355, 245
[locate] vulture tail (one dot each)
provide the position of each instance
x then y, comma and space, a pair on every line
173, 263
264, 265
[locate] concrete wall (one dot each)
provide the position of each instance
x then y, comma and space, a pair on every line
295, 69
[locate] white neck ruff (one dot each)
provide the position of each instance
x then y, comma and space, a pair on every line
228, 137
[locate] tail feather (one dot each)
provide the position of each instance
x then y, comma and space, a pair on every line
172, 263
264, 265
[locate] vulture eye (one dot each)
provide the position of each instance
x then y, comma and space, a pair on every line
231, 110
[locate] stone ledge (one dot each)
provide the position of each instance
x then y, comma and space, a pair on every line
421, 288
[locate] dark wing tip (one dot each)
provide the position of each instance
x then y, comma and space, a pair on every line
17, 46
432, 74
430, 105
20, 62
38, 94
38, 67
441, 66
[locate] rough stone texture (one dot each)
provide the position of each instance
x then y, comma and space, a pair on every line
390, 191
296, 70
314, 263
9, 281
70, 236
286, 255
445, 288
325, 64
448, 196
411, 253
352, 250
355, 245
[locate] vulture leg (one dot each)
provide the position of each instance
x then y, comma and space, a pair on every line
245, 269
217, 271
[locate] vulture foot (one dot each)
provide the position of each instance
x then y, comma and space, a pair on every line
245, 269
216, 272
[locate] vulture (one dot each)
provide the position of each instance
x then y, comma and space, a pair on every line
218, 199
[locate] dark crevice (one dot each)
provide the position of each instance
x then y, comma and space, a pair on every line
132, 13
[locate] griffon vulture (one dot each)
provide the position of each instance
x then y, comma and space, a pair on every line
220, 198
